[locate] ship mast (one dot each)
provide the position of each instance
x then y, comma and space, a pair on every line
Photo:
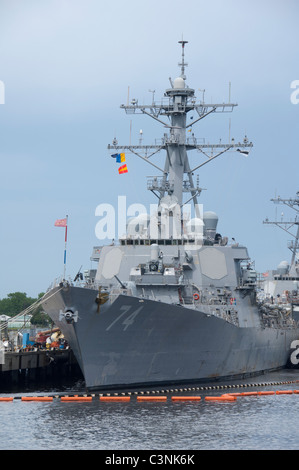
287, 225
181, 100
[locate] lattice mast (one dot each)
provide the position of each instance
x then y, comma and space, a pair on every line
288, 225
181, 100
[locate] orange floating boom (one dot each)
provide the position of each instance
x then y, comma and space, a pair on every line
152, 398
186, 398
222, 398
115, 398
37, 398
76, 398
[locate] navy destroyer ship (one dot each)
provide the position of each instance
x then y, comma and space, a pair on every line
172, 301
280, 286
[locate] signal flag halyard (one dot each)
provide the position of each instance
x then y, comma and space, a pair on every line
123, 169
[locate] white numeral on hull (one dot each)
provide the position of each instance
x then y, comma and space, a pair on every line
127, 321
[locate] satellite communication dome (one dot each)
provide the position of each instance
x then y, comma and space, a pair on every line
283, 267
210, 220
179, 83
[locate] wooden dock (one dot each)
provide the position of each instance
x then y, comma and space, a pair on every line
37, 363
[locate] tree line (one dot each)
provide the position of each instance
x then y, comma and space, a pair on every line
17, 302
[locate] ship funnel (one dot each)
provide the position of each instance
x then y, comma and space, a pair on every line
210, 224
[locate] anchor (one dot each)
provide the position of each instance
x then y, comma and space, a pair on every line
101, 298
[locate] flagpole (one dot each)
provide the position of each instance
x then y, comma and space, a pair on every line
65, 243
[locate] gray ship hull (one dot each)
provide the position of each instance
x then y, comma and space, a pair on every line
135, 342
173, 300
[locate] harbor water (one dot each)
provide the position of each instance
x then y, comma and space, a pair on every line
263, 422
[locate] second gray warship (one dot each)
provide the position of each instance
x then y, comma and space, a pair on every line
173, 301
280, 286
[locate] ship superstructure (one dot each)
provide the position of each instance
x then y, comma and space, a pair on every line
280, 286
173, 300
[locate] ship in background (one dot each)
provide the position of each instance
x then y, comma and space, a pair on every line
280, 286
173, 301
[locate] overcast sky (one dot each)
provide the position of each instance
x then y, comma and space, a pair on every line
66, 66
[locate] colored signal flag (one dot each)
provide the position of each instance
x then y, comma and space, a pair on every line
123, 169
120, 157
61, 223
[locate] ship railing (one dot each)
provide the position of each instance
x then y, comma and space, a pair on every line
55, 283
247, 283
158, 183
215, 307
204, 301
59, 280
83, 283
216, 301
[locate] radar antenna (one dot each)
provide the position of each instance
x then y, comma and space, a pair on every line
177, 174
183, 64
287, 225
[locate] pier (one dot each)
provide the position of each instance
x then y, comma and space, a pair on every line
37, 364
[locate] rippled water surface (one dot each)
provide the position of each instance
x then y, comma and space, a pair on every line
263, 422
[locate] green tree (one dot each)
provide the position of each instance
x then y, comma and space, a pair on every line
39, 316
17, 302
